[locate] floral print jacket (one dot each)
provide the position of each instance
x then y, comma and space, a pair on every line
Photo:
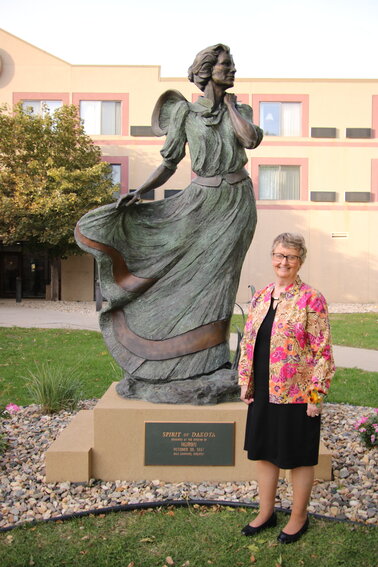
301, 361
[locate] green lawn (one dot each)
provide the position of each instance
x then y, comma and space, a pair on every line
21, 349
186, 537
358, 330
354, 386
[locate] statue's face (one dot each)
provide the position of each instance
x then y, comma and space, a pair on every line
224, 70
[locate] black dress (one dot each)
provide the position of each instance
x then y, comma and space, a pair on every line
282, 434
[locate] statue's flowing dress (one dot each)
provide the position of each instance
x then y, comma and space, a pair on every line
169, 268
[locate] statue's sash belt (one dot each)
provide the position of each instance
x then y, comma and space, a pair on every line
197, 339
121, 273
216, 180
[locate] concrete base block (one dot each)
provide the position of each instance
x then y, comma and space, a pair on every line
69, 457
117, 440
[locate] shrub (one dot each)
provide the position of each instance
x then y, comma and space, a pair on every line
367, 427
3, 439
54, 388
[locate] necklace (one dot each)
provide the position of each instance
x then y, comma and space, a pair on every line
275, 298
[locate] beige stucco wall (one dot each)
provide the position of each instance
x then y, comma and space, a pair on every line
344, 269
77, 278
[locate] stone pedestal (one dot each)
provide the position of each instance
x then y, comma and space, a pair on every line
108, 443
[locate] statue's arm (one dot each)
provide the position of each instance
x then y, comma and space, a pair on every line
248, 134
156, 179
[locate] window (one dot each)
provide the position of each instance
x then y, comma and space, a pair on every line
280, 182
41, 106
281, 118
119, 172
116, 173
101, 116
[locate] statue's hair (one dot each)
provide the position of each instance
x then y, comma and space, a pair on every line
201, 69
291, 240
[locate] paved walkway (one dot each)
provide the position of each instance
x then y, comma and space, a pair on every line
12, 314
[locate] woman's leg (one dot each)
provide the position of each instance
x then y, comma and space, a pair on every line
267, 478
302, 480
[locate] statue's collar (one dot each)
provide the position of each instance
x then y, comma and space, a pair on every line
204, 106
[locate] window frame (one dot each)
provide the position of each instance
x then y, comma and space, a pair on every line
64, 98
123, 98
123, 161
374, 122
374, 179
299, 98
303, 177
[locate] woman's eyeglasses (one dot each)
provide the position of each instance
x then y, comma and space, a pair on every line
289, 257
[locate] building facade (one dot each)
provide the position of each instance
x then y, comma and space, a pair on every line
316, 171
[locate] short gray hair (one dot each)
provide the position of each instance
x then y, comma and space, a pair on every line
291, 240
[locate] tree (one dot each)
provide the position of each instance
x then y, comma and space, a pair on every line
51, 173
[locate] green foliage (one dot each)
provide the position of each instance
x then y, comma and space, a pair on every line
355, 387
359, 330
195, 536
54, 388
367, 427
3, 442
21, 349
50, 175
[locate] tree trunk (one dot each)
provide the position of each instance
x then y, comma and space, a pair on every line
55, 278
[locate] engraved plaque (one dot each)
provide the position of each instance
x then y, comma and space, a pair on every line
189, 444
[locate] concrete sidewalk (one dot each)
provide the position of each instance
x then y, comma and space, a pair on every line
12, 314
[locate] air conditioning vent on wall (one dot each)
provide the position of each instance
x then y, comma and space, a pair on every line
147, 196
171, 192
358, 132
141, 131
357, 196
323, 196
323, 132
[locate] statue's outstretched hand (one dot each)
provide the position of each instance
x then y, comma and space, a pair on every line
128, 199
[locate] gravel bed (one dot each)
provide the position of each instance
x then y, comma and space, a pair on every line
25, 496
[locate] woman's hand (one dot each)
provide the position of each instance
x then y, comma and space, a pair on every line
128, 199
243, 391
313, 410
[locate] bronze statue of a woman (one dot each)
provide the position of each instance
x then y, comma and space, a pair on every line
170, 269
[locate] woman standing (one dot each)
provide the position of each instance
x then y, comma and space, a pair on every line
285, 369
170, 269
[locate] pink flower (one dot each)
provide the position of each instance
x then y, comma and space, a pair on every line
317, 304
293, 390
303, 300
372, 439
277, 355
249, 350
300, 334
287, 371
327, 352
12, 408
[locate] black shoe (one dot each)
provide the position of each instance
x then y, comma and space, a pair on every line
250, 530
291, 538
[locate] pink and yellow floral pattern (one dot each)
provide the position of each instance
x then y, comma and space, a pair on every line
301, 361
